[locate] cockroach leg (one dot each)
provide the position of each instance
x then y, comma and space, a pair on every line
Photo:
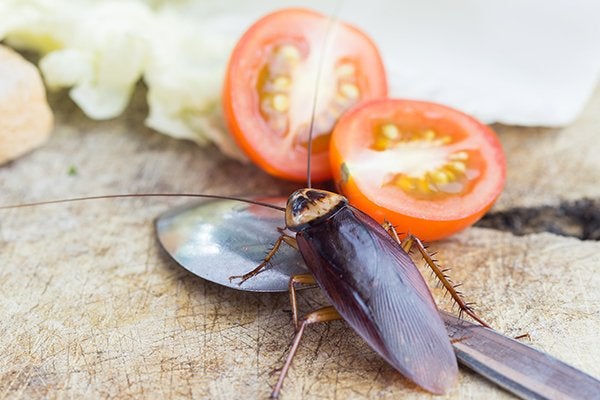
387, 225
290, 240
321, 315
523, 336
305, 279
411, 241
462, 339
407, 245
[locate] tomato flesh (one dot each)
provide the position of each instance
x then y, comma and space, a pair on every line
271, 82
428, 169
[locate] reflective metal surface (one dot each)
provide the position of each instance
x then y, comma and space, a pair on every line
520, 369
216, 239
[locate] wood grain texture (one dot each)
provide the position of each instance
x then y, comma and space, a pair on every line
546, 166
91, 308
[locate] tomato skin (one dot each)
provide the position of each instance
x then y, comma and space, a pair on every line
241, 101
424, 229
428, 219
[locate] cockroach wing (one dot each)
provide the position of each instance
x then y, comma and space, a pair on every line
378, 290
217, 239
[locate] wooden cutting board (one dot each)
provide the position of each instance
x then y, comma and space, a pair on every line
91, 308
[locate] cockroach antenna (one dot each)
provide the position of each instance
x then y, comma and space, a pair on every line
135, 195
332, 20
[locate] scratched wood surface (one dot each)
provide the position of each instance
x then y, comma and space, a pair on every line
91, 308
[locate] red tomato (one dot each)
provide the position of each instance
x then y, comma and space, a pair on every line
428, 169
271, 81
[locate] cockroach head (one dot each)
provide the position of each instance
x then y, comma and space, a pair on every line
308, 206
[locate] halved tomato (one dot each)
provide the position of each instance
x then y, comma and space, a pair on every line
427, 168
271, 82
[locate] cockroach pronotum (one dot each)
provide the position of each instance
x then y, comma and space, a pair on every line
365, 271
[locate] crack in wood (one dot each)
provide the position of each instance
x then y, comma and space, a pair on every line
579, 218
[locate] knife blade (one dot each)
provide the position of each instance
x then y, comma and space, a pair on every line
518, 368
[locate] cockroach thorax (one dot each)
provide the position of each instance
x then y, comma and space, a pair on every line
307, 206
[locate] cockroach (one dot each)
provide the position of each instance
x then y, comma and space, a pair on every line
372, 283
